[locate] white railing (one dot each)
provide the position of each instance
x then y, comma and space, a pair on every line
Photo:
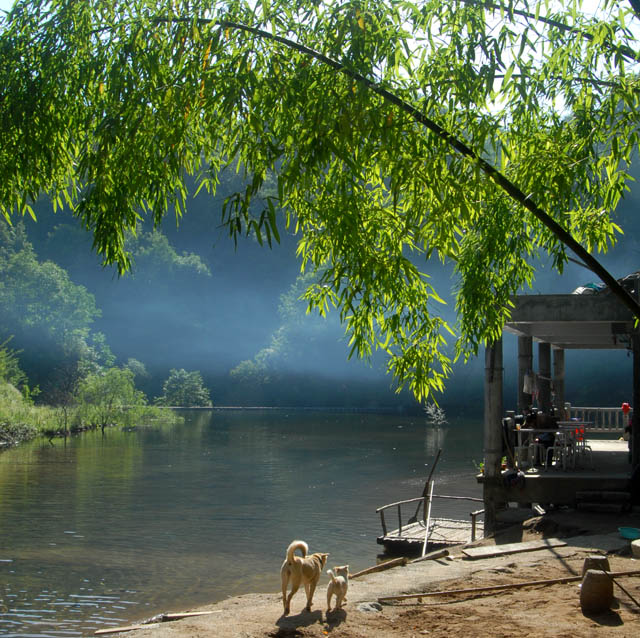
602, 419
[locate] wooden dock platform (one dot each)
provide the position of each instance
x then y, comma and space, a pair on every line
443, 532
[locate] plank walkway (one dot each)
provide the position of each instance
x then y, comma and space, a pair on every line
490, 551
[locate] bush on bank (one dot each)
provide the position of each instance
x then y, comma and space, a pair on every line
21, 421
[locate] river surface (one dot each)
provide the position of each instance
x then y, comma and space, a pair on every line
102, 530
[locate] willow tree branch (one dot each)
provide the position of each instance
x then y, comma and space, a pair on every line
623, 50
458, 145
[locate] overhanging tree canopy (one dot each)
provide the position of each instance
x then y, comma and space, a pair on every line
477, 132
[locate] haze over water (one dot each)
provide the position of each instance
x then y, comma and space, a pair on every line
101, 531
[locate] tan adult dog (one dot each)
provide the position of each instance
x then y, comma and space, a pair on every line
304, 570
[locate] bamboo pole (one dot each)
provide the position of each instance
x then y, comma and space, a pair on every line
394, 562
425, 489
623, 589
428, 521
488, 588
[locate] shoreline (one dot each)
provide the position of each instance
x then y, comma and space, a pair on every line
259, 615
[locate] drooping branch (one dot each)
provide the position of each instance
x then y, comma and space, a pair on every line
513, 191
623, 50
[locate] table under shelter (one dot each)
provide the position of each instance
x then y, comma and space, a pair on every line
557, 323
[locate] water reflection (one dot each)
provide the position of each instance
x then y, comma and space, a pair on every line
434, 439
103, 530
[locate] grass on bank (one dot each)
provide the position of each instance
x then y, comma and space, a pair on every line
21, 421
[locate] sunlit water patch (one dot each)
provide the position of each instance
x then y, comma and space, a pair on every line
100, 531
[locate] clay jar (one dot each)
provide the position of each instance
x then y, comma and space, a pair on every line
596, 592
595, 561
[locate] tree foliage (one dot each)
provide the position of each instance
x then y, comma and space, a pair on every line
10, 371
184, 389
107, 394
485, 134
47, 314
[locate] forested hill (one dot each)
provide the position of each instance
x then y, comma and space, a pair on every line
195, 300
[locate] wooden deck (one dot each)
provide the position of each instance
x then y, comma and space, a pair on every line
610, 471
443, 532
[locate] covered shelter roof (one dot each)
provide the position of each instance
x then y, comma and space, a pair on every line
573, 321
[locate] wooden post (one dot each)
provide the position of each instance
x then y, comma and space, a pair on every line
384, 525
525, 365
492, 431
474, 517
544, 376
635, 423
558, 377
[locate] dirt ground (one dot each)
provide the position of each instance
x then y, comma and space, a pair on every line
540, 610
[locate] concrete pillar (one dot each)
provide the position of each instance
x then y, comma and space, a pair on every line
558, 377
544, 376
493, 372
525, 365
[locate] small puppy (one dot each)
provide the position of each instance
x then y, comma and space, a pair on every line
338, 586
305, 570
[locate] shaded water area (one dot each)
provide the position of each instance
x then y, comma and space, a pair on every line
101, 530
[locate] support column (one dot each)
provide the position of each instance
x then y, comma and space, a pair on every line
525, 365
635, 424
544, 376
493, 373
558, 378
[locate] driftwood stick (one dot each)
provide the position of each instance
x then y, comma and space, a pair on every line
475, 590
189, 614
162, 618
117, 630
403, 560
439, 553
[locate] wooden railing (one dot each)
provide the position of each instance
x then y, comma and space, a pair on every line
603, 419
423, 504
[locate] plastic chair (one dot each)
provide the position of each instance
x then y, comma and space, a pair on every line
537, 453
562, 450
581, 447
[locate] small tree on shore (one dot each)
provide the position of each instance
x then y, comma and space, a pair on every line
106, 395
184, 389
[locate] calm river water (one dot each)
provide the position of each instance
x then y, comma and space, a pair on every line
99, 531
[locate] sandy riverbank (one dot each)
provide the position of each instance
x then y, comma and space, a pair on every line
550, 610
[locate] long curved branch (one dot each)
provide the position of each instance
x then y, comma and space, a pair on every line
623, 50
494, 174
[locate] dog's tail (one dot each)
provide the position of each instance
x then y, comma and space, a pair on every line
301, 545
333, 576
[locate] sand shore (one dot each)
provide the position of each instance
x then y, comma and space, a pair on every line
541, 610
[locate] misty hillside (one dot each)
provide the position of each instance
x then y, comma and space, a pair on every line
194, 300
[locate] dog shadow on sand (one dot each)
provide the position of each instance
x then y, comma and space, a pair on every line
332, 619
335, 618
303, 619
